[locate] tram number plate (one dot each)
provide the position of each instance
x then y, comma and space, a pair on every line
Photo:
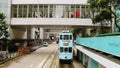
65, 44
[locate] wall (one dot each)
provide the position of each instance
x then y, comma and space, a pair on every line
18, 33
49, 1
51, 21
93, 64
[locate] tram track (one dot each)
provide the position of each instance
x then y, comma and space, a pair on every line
55, 62
49, 61
61, 65
74, 64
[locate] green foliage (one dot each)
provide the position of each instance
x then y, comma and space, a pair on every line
107, 15
104, 11
97, 19
118, 19
75, 32
3, 26
102, 3
104, 15
93, 3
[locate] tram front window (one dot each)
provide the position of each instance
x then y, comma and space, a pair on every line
66, 37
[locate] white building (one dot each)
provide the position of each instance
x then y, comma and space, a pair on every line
30, 18
26, 16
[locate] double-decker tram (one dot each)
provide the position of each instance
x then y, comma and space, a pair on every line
65, 46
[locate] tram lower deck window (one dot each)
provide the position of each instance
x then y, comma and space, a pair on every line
66, 49
61, 49
70, 49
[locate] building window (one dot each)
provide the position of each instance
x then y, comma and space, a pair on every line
50, 11
83, 11
77, 13
41, 11
30, 11
35, 11
46, 11
24, 10
88, 14
53, 11
66, 11
72, 11
20, 10
14, 12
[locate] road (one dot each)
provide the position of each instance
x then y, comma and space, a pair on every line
44, 57
36, 59
66, 65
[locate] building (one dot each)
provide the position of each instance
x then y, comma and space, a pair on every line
44, 19
30, 15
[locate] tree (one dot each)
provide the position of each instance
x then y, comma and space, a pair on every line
75, 32
3, 27
117, 14
103, 16
4, 34
93, 7
104, 11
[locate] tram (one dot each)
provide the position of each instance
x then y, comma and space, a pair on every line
65, 47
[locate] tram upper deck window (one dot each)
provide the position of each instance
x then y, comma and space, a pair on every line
65, 37
60, 37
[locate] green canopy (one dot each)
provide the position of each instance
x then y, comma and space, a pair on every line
108, 34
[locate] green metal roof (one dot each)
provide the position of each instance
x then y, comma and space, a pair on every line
108, 34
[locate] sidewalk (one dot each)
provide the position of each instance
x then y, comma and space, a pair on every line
8, 56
